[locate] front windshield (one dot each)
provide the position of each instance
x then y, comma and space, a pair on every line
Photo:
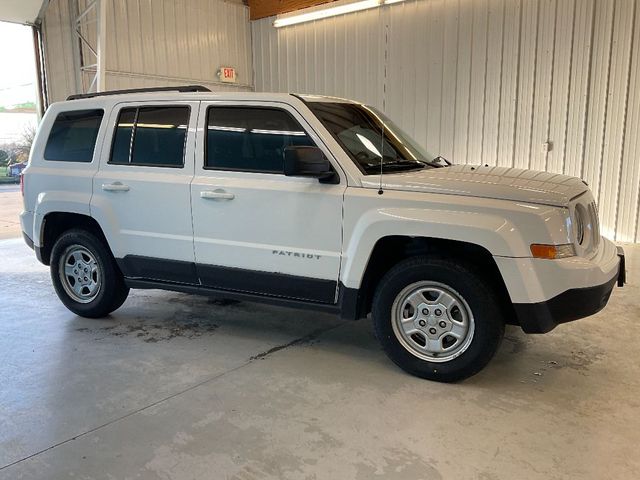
359, 128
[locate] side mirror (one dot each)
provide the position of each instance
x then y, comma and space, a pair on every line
308, 162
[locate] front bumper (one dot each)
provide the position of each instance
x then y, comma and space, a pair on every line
573, 304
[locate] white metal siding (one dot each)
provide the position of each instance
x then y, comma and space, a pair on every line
153, 43
58, 51
488, 81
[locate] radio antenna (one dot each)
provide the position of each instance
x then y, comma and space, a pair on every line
384, 100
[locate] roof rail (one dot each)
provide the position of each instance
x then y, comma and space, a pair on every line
181, 89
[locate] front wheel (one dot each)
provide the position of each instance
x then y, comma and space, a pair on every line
437, 319
85, 276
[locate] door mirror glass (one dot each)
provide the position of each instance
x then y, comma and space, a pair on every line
302, 161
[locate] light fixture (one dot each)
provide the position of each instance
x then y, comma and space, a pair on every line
369, 145
222, 128
329, 10
278, 132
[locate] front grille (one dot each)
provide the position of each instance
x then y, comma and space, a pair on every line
595, 223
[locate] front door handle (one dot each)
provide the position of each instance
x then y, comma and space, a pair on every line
115, 187
217, 194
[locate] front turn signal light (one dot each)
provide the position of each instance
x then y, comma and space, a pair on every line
552, 252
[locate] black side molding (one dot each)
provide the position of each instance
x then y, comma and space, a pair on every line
350, 303
134, 266
267, 283
242, 296
32, 246
169, 273
28, 240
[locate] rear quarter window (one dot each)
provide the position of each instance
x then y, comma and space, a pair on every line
73, 136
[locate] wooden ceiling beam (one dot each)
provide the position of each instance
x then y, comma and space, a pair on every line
267, 8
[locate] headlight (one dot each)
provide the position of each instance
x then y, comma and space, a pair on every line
580, 220
586, 227
595, 223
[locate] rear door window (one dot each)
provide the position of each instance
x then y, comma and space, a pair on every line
151, 136
73, 136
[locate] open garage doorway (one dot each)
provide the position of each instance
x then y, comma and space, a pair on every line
18, 118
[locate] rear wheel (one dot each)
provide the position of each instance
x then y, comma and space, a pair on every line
85, 276
437, 319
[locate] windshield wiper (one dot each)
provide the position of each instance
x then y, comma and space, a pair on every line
395, 165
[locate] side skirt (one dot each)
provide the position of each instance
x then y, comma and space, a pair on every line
345, 307
263, 287
267, 283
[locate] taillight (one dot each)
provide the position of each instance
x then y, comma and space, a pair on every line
22, 184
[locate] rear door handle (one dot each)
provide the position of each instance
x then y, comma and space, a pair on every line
217, 194
115, 187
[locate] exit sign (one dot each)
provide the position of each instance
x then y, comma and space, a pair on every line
227, 74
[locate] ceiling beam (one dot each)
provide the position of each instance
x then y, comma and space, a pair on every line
21, 11
267, 8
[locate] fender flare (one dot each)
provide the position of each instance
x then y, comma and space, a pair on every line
492, 232
54, 202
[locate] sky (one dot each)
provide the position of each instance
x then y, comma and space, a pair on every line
17, 65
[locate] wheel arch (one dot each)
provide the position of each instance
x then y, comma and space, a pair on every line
392, 249
55, 224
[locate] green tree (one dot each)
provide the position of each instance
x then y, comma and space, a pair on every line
4, 158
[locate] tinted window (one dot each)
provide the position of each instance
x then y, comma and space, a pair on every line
251, 139
73, 136
153, 136
122, 138
359, 129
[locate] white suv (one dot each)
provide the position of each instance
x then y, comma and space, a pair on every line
311, 202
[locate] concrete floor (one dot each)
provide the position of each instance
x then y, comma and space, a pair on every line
181, 387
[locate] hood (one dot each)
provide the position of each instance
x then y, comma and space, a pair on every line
502, 183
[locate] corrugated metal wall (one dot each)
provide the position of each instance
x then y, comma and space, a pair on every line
58, 51
491, 81
153, 43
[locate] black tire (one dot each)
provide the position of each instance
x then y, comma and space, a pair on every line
468, 283
112, 291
